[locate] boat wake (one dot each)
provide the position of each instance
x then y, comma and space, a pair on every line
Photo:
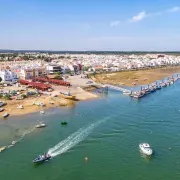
73, 139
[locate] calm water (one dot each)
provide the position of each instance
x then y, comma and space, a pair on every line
107, 131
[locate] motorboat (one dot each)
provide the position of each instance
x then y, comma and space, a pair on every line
14, 142
42, 158
64, 123
42, 112
40, 125
1, 109
2, 148
146, 149
5, 115
127, 92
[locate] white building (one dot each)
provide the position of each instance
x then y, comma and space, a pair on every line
53, 68
8, 75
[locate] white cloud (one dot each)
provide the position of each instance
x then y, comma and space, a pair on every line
139, 16
174, 9
114, 23
142, 15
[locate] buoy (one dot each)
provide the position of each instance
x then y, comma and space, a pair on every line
86, 158
170, 148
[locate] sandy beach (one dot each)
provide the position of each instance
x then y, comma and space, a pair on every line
140, 77
58, 101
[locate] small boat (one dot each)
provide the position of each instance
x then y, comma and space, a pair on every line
146, 149
158, 87
1, 109
2, 148
14, 142
127, 92
42, 112
5, 115
20, 106
42, 158
40, 125
64, 123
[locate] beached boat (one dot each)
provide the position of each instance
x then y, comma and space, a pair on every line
42, 158
40, 125
2, 148
146, 149
67, 96
2, 103
5, 115
20, 106
1, 109
127, 92
64, 123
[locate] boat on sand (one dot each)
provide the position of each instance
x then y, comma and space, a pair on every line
5, 115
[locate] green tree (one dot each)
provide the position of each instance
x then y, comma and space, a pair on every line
58, 76
23, 96
7, 97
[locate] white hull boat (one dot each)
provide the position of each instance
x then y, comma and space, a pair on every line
2, 148
146, 149
40, 125
5, 115
20, 107
1, 109
42, 112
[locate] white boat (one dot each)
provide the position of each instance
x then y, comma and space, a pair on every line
146, 149
20, 106
1, 109
127, 92
14, 142
2, 148
40, 125
5, 115
42, 112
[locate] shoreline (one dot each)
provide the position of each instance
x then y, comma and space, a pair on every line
29, 107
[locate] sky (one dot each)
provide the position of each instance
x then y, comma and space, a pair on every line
88, 25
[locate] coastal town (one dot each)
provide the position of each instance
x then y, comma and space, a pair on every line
35, 81
46, 63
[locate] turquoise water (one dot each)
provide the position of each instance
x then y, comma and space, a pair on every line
107, 131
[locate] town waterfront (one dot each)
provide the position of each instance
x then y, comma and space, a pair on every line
107, 131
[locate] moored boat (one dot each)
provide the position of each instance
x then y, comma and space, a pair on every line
127, 92
64, 123
40, 125
42, 112
146, 149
